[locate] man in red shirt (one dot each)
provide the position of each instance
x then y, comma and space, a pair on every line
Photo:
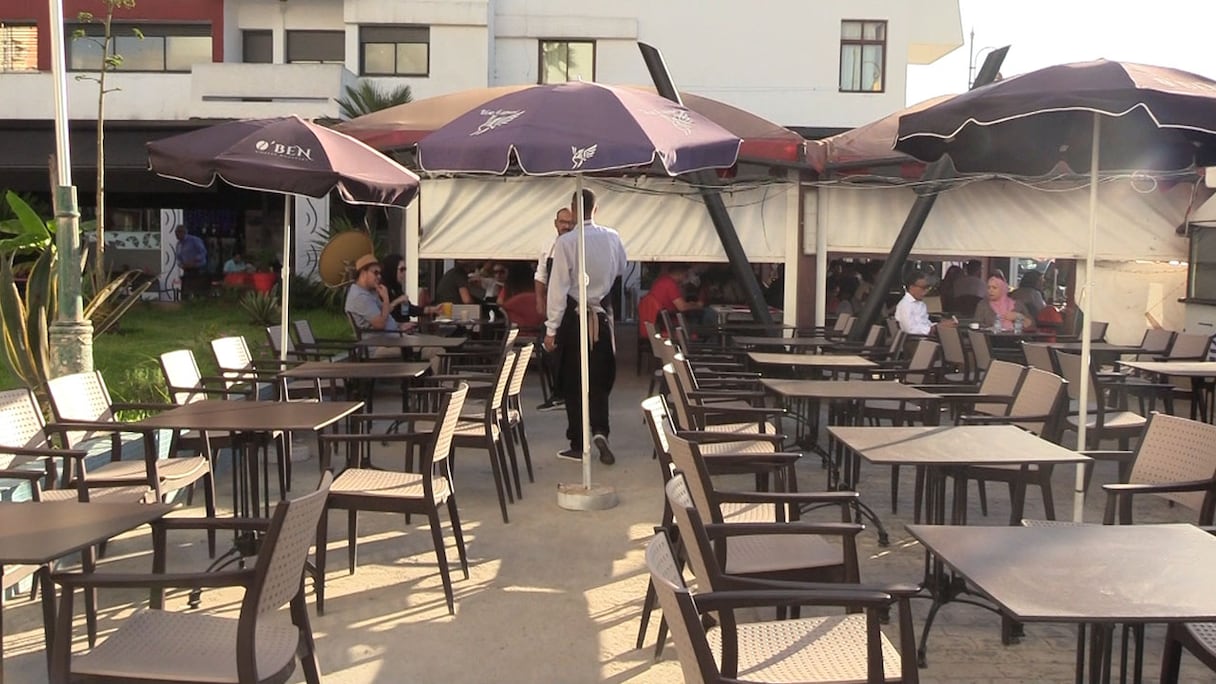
668, 290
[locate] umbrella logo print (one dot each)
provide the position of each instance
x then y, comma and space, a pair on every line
496, 119
278, 149
578, 155
676, 117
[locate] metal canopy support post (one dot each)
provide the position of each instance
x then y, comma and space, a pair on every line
705, 181
892, 268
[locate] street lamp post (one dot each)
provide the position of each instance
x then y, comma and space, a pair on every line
71, 335
973, 58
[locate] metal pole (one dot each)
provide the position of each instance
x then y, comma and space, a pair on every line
718, 215
1085, 303
584, 341
889, 275
71, 336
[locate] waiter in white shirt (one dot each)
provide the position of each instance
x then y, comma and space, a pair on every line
605, 264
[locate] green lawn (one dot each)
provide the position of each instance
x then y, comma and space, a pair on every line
127, 357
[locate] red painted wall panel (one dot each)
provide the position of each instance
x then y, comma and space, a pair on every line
211, 11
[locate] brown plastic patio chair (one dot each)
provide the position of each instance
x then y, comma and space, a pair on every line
992, 397
83, 408
1175, 460
307, 340
186, 384
1198, 638
981, 351
723, 455
1106, 416
697, 539
956, 366
513, 411
834, 648
34, 466
769, 555
258, 376
1038, 407
1038, 355
717, 410
483, 430
165, 646
362, 488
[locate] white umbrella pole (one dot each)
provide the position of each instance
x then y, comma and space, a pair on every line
583, 339
1086, 305
284, 269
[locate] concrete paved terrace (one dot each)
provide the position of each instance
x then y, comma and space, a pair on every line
555, 596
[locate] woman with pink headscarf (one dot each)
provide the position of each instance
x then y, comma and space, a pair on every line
999, 306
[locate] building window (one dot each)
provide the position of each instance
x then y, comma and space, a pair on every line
566, 60
863, 56
316, 47
18, 47
1202, 280
394, 50
257, 47
142, 47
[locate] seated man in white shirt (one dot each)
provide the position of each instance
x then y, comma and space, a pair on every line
912, 313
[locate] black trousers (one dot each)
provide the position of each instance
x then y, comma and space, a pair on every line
602, 375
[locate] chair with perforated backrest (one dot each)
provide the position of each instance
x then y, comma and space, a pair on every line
772, 556
1038, 407
694, 414
992, 397
513, 409
238, 369
168, 646
656, 342
425, 492
1103, 421
486, 432
919, 370
1176, 461
81, 402
834, 648
186, 385
739, 455
33, 468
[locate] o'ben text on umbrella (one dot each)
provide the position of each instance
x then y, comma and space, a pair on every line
278, 149
497, 118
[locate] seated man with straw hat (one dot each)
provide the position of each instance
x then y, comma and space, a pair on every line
368, 303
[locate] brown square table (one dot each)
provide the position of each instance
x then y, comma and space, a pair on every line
408, 344
813, 364
791, 344
1199, 372
846, 401
251, 423
1091, 575
36, 533
349, 371
941, 450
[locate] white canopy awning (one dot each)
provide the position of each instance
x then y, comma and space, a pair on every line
658, 219
1136, 220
